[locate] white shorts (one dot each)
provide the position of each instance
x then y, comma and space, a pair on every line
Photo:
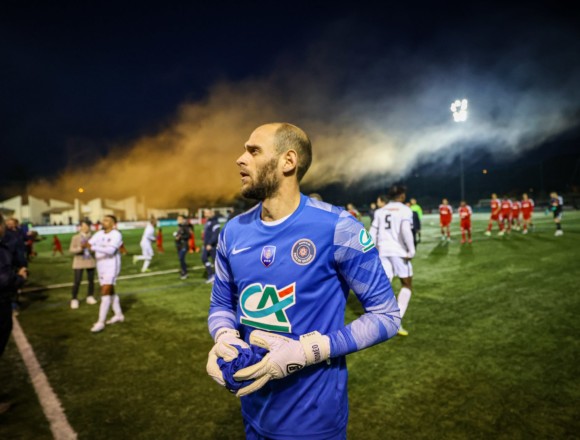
397, 267
147, 250
108, 270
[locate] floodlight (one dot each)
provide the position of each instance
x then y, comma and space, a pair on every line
459, 110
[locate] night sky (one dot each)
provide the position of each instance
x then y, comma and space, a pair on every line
82, 81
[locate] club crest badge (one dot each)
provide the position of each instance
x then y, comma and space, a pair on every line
268, 255
303, 252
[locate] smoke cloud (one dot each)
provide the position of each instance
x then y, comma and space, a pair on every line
373, 113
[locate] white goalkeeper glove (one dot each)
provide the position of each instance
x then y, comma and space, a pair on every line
285, 357
225, 340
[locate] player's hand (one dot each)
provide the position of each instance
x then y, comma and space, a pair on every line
208, 247
285, 357
225, 341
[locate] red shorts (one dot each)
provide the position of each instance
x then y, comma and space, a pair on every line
465, 224
494, 217
506, 216
527, 215
444, 222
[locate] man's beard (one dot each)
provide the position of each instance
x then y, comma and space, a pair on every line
266, 184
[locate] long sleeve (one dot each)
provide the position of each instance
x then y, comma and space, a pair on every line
223, 303
361, 268
75, 245
408, 238
112, 246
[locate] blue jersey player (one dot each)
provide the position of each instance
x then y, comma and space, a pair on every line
284, 270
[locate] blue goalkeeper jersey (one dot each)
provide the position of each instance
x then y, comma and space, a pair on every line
293, 278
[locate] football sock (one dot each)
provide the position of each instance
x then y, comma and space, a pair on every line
117, 306
104, 308
140, 257
463, 235
403, 300
558, 226
146, 264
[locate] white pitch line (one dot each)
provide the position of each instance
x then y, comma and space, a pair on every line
59, 425
123, 277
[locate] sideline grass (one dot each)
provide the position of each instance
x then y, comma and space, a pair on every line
492, 352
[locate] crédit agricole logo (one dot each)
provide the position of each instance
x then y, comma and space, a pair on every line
265, 307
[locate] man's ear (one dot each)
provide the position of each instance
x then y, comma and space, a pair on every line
290, 162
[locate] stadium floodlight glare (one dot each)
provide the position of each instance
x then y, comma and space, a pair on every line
459, 110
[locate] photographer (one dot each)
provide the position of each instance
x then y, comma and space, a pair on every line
184, 230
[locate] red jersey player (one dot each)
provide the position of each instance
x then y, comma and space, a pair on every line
505, 215
56, 246
159, 240
527, 211
191, 243
445, 215
465, 216
516, 208
494, 217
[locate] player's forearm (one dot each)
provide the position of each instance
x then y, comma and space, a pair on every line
408, 239
107, 250
220, 317
370, 329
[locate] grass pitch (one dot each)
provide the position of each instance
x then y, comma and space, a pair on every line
492, 351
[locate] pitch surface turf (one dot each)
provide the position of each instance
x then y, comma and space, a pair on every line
492, 351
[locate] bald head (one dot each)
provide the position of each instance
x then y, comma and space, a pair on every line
290, 137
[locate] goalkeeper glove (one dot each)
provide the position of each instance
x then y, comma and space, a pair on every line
226, 341
285, 357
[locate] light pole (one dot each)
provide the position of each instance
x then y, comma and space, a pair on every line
459, 111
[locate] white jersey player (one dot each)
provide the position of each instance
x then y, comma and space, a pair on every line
391, 231
106, 244
147, 240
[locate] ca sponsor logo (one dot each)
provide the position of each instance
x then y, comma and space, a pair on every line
365, 240
264, 307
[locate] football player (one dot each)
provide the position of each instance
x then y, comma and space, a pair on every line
392, 232
146, 244
505, 215
516, 209
465, 223
557, 206
495, 214
284, 270
106, 244
527, 205
445, 215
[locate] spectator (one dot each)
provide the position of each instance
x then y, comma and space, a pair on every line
83, 260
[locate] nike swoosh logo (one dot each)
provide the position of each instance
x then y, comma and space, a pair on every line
237, 251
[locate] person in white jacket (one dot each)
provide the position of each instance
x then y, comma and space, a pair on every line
106, 244
391, 231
